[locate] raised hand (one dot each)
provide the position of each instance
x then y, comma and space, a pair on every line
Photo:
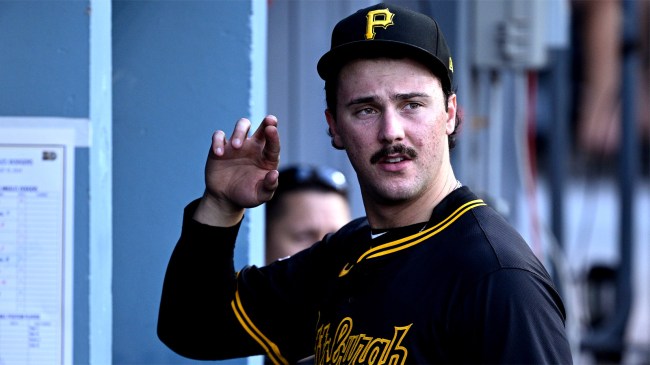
240, 172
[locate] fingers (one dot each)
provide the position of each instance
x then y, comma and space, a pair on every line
266, 134
271, 179
272, 146
218, 142
239, 134
269, 185
268, 121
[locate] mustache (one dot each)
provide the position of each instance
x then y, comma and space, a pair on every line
399, 149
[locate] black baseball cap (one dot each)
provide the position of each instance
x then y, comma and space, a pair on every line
311, 177
388, 30
306, 177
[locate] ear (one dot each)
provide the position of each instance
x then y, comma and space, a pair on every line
452, 109
334, 135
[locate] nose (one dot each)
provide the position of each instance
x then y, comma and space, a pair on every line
391, 127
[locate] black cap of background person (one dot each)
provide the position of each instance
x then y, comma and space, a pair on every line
388, 30
312, 177
306, 177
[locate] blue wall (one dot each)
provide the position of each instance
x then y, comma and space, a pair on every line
44, 56
181, 69
44, 71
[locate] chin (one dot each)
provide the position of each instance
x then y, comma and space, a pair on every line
396, 195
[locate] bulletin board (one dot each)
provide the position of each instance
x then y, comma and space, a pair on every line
36, 245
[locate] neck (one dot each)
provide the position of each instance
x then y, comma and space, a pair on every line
416, 210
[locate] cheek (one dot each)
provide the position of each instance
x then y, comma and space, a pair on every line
356, 153
274, 237
420, 140
357, 141
431, 140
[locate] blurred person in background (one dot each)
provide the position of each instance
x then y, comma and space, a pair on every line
598, 27
310, 202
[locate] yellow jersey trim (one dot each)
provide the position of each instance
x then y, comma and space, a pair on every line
414, 239
271, 349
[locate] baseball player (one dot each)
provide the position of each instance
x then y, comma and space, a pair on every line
431, 275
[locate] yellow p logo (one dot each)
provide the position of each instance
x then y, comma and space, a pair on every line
378, 18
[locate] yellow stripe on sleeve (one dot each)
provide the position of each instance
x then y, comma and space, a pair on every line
271, 349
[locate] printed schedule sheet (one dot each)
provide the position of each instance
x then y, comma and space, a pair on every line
35, 257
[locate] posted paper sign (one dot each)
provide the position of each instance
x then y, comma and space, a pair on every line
36, 188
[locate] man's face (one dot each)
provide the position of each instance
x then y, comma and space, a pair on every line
306, 216
392, 122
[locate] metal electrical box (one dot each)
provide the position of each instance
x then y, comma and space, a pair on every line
509, 34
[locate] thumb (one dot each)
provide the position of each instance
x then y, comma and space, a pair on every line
267, 186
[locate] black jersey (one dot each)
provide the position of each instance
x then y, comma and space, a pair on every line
463, 287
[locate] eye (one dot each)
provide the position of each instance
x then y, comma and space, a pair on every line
366, 111
412, 106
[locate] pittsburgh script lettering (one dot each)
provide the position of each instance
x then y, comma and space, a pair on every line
344, 347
